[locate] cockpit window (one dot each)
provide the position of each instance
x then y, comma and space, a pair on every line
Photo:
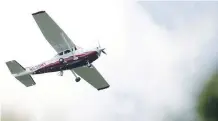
66, 51
74, 48
61, 53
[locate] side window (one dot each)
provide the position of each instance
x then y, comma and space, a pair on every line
61, 53
74, 48
66, 51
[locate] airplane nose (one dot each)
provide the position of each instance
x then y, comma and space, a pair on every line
101, 50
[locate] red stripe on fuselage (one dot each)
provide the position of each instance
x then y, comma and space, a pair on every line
71, 58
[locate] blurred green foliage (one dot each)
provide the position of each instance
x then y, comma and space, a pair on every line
208, 100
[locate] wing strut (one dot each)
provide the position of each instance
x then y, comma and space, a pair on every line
62, 34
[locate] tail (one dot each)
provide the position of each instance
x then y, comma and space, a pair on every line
20, 73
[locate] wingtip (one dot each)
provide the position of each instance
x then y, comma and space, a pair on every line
38, 12
33, 84
104, 88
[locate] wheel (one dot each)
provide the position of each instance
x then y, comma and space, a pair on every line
61, 60
60, 73
89, 65
77, 79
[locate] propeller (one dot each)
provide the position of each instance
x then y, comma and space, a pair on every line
101, 49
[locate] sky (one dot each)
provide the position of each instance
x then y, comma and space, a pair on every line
159, 54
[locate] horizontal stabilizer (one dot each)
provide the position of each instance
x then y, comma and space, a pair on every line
16, 69
27, 80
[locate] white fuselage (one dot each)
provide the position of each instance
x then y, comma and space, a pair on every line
69, 56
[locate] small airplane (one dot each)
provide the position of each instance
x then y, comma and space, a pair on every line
69, 57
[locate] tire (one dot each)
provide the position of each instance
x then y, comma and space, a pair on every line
77, 79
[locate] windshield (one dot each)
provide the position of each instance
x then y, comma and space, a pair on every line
66, 51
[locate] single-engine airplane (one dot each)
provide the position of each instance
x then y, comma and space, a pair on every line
69, 57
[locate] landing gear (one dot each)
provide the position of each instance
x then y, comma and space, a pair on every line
88, 64
77, 79
60, 73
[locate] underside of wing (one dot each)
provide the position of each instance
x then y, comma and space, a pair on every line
52, 32
92, 76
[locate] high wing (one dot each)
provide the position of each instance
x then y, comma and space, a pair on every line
52, 32
92, 76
